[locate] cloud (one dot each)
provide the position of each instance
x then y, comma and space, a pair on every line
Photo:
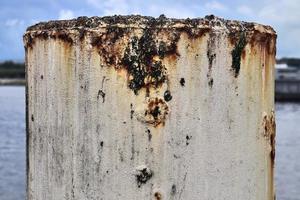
112, 7
282, 11
284, 16
245, 10
215, 6
66, 14
172, 11
14, 22
154, 8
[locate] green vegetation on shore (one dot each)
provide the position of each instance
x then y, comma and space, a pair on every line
10, 69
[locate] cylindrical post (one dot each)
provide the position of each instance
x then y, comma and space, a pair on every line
132, 107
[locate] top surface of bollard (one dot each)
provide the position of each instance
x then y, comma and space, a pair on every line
137, 21
75, 30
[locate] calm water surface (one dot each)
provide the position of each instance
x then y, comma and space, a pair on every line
12, 147
287, 174
12, 143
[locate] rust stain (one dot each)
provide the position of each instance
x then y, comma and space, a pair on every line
156, 112
269, 131
266, 40
62, 35
157, 195
269, 126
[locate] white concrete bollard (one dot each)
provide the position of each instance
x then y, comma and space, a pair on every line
132, 107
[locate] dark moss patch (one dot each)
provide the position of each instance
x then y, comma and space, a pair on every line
211, 57
191, 29
182, 82
29, 41
143, 54
143, 175
272, 153
64, 37
173, 190
115, 32
138, 60
44, 35
211, 82
96, 40
162, 48
149, 135
81, 33
236, 54
101, 94
155, 112
131, 111
188, 138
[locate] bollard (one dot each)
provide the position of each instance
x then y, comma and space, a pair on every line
133, 107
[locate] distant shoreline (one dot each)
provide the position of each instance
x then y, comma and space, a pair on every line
12, 81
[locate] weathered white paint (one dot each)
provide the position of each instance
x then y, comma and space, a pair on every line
215, 142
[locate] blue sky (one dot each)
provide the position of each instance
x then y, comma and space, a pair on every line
16, 15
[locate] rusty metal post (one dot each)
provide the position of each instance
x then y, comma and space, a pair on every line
132, 107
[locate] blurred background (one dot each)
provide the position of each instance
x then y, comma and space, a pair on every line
16, 15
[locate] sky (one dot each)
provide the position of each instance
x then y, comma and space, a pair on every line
17, 15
